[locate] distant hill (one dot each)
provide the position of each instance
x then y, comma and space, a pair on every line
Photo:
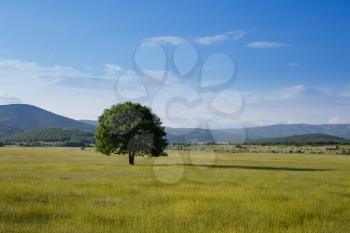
89, 122
310, 139
189, 135
285, 130
53, 135
18, 118
7, 131
27, 117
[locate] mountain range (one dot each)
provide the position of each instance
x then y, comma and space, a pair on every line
186, 135
18, 118
23, 117
310, 139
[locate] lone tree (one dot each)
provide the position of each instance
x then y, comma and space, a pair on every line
130, 128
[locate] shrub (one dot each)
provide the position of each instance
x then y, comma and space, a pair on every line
73, 144
345, 151
163, 154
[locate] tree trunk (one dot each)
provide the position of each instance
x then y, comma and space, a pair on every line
131, 157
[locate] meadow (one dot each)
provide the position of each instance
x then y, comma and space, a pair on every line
73, 190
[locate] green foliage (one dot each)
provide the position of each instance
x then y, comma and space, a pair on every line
345, 151
2, 144
6, 131
250, 148
130, 128
300, 140
57, 137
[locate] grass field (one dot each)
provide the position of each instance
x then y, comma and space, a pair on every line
70, 190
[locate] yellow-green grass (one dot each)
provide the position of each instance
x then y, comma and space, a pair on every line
69, 190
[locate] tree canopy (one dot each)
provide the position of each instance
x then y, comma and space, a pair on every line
130, 128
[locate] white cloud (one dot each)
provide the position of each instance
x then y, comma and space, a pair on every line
293, 64
62, 89
267, 45
84, 94
170, 40
291, 92
280, 94
6, 99
49, 73
112, 69
298, 104
17, 65
208, 40
345, 92
204, 40
336, 120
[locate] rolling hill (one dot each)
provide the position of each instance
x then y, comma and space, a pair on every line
6, 131
52, 135
191, 135
285, 130
22, 117
310, 139
89, 122
19, 118
188, 135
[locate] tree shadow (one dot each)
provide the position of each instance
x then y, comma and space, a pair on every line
225, 166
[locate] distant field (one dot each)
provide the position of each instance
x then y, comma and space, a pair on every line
70, 190
272, 149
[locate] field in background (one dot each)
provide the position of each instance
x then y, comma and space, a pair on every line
70, 190
341, 149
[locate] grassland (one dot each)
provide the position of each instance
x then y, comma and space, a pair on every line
341, 149
69, 190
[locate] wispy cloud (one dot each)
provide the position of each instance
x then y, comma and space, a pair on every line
170, 40
203, 40
268, 45
293, 64
90, 91
298, 104
346, 91
279, 94
112, 69
6, 99
49, 73
66, 90
337, 120
232, 35
57, 74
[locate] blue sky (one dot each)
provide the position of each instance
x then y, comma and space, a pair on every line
290, 58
